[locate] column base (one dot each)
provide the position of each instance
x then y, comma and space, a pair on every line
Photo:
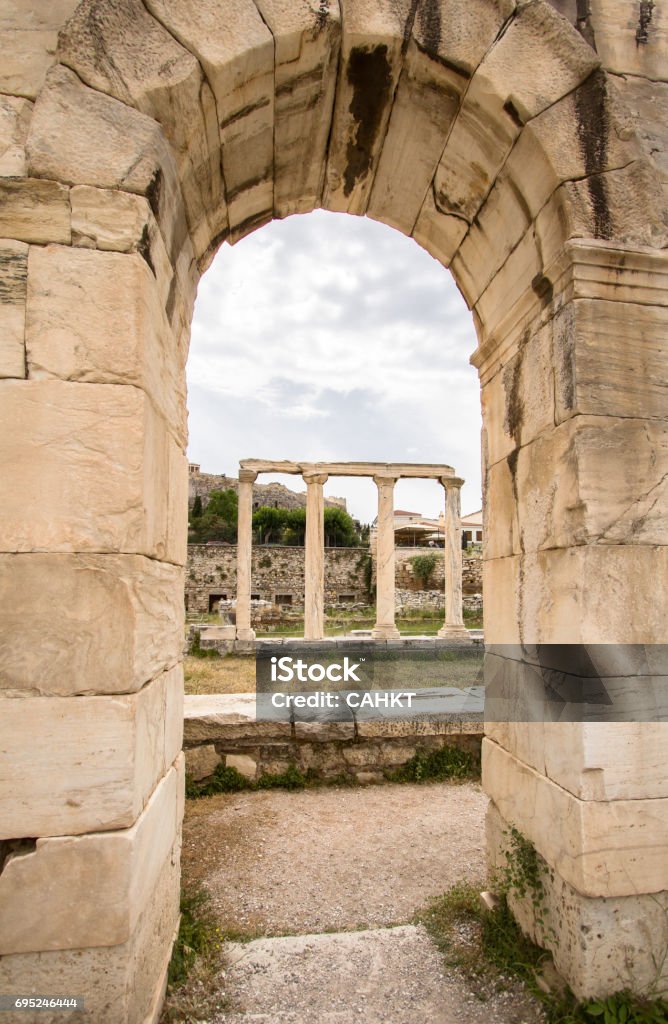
245, 634
453, 633
385, 633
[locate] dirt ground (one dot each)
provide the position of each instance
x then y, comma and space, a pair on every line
340, 874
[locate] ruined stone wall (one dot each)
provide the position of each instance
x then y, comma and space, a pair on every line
278, 570
405, 576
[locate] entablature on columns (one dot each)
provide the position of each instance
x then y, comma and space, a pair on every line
396, 470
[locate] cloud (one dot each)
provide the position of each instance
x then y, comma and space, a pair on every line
333, 337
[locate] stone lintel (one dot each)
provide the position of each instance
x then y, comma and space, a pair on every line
425, 471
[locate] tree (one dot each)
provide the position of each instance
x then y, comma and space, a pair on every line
197, 508
295, 527
340, 529
269, 524
218, 521
423, 567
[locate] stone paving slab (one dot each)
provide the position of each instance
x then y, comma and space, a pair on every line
380, 976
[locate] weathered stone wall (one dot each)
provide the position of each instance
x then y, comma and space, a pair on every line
222, 728
278, 571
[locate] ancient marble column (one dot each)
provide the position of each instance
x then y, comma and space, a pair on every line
314, 557
247, 478
385, 628
454, 628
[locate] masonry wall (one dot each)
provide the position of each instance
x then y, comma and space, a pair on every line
278, 573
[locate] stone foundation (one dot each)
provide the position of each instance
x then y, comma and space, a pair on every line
222, 728
600, 944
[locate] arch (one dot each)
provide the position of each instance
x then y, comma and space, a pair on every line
489, 131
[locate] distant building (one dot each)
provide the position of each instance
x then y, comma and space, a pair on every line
472, 528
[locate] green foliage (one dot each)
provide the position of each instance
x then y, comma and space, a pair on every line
423, 567
340, 529
622, 1008
493, 944
218, 521
291, 778
365, 564
288, 526
196, 650
269, 524
295, 526
197, 935
436, 766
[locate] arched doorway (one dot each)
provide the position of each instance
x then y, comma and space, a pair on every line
488, 131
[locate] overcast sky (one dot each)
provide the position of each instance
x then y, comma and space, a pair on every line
334, 338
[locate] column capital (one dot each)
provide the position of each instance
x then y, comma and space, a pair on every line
452, 481
247, 476
385, 479
314, 477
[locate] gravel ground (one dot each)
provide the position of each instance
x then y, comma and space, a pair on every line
356, 864
385, 976
330, 859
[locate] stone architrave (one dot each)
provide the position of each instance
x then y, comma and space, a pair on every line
453, 628
385, 628
244, 552
314, 557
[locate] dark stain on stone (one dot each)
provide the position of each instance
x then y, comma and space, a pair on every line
13, 277
213, 246
583, 22
239, 115
306, 78
322, 14
144, 248
408, 27
443, 61
542, 286
370, 76
243, 186
513, 113
15, 848
154, 191
514, 407
644, 21
511, 461
429, 20
171, 299
512, 379
593, 124
564, 358
256, 220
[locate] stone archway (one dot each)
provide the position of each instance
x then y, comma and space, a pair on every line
490, 131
